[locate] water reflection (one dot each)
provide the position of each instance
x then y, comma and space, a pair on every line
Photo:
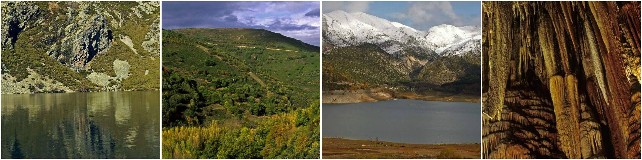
404, 121
81, 125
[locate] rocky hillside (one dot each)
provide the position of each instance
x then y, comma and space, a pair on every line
362, 51
561, 80
79, 46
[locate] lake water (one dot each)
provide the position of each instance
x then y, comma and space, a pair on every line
81, 125
404, 121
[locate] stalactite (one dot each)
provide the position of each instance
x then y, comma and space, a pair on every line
595, 59
561, 79
498, 74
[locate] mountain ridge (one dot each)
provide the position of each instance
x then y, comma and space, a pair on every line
262, 33
368, 54
355, 28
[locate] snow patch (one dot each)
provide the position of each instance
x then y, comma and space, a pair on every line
346, 29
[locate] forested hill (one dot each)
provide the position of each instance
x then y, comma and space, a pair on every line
249, 36
253, 92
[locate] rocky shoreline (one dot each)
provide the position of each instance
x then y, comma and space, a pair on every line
374, 95
356, 96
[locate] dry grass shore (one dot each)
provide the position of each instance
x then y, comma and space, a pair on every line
337, 148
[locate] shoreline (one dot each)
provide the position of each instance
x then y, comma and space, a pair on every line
375, 95
340, 148
77, 92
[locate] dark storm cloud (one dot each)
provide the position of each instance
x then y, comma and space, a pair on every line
281, 24
230, 18
292, 19
314, 13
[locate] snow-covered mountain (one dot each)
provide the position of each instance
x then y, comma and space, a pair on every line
451, 40
346, 29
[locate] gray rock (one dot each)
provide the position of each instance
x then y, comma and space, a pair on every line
151, 43
34, 83
145, 8
121, 68
96, 38
100, 79
128, 41
83, 39
16, 16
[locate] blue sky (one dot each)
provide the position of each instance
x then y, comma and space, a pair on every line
419, 15
299, 20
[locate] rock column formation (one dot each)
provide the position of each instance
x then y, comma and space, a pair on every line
561, 79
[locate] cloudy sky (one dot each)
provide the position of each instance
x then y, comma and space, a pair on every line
299, 20
419, 15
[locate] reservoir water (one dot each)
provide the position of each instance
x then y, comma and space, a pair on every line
404, 121
81, 125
